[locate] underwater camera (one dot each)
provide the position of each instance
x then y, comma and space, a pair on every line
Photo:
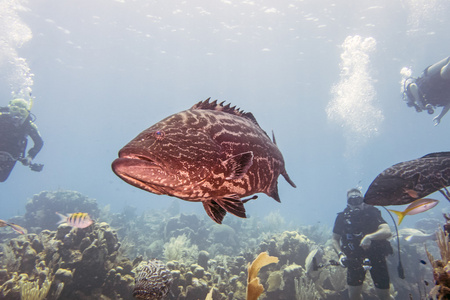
317, 266
36, 167
366, 264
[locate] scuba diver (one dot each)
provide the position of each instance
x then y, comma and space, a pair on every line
360, 238
16, 124
430, 90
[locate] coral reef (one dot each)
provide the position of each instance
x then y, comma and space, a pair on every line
203, 258
441, 268
228, 274
290, 246
69, 263
40, 210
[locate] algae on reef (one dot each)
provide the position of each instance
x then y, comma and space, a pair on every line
202, 257
86, 261
40, 210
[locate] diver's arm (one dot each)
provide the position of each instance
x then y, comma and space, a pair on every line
336, 241
383, 233
437, 119
37, 140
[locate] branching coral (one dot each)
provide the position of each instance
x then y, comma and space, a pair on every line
441, 268
31, 290
443, 244
209, 296
180, 249
305, 289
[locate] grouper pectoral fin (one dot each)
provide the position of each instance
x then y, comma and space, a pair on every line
214, 211
217, 208
236, 166
233, 205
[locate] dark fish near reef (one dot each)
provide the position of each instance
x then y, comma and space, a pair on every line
211, 153
411, 180
153, 281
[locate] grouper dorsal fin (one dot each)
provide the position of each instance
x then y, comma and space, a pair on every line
227, 109
437, 155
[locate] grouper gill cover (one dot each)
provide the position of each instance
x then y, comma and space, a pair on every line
211, 153
407, 181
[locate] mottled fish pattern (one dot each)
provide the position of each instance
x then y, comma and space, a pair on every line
411, 180
212, 153
153, 281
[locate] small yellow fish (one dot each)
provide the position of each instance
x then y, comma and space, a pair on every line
416, 207
78, 220
17, 228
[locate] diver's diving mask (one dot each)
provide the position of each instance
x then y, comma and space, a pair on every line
355, 200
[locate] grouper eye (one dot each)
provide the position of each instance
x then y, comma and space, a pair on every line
159, 135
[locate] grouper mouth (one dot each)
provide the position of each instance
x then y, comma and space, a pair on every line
143, 172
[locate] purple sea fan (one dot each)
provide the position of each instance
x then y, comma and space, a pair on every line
153, 281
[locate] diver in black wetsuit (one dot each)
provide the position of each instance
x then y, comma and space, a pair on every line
360, 238
430, 90
16, 124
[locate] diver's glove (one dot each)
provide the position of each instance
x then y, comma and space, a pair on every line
366, 242
436, 120
342, 259
26, 161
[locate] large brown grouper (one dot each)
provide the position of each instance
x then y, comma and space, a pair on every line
211, 153
408, 181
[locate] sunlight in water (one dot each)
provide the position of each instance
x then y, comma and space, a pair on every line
422, 12
352, 106
14, 33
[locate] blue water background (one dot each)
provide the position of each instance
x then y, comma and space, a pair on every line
106, 70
